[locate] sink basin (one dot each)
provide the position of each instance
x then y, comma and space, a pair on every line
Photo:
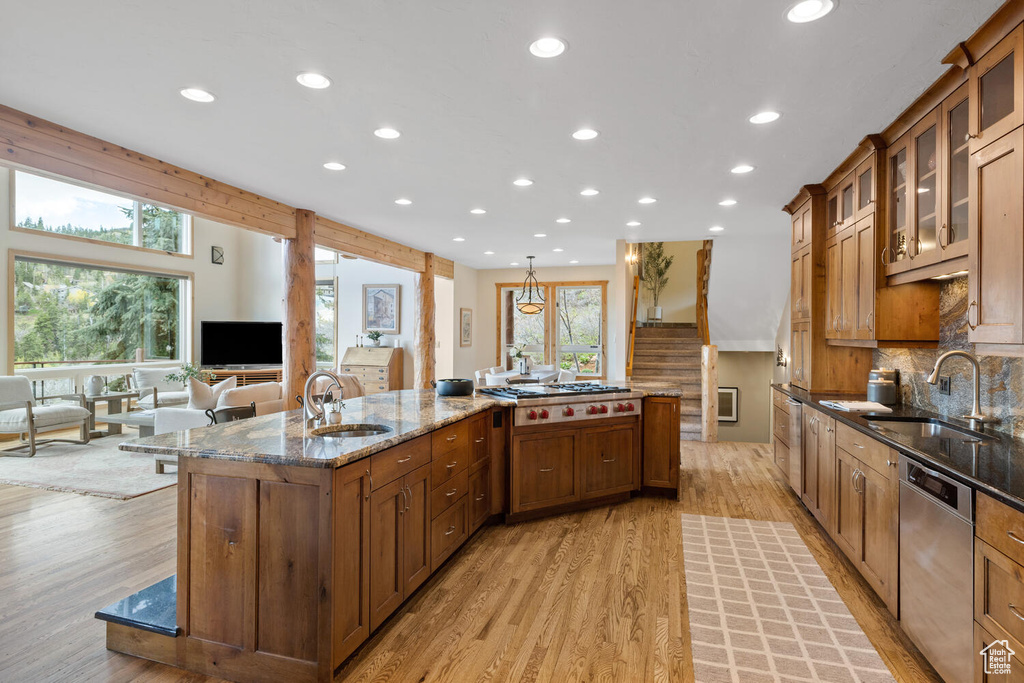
924, 428
349, 430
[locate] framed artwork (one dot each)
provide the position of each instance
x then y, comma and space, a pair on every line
728, 404
382, 308
217, 255
466, 327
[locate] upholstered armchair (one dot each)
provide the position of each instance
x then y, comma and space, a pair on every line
21, 415
154, 389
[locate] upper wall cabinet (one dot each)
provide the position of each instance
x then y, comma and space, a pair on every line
997, 91
801, 227
841, 205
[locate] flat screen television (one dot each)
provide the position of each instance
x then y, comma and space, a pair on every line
240, 344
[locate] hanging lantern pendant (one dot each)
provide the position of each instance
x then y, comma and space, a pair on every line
531, 300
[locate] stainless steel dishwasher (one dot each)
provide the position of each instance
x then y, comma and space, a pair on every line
937, 568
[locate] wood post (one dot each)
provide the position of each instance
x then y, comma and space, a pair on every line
709, 394
426, 341
299, 308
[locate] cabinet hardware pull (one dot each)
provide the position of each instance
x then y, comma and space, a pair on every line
792, 402
884, 249
1015, 537
405, 503
480, 440
451, 530
451, 493
828, 429
547, 469
857, 445
893, 463
480, 497
399, 462
371, 484
969, 136
612, 459
452, 437
974, 304
451, 465
870, 320
942, 230
408, 499
1016, 612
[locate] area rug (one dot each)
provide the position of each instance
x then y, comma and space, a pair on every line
97, 468
761, 609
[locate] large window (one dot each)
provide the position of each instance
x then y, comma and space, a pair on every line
62, 208
326, 323
569, 333
67, 313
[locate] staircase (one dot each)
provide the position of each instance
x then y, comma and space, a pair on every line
670, 353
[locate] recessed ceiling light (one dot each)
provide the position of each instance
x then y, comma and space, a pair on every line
716, 228
809, 10
313, 80
387, 133
585, 134
488, 253
765, 117
563, 220
334, 166
478, 211
589, 192
540, 234
633, 224
522, 182
558, 249
514, 263
574, 261
197, 95
403, 202
547, 47
646, 200
743, 168
727, 202
458, 239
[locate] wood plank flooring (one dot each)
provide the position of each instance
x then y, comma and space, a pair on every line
595, 595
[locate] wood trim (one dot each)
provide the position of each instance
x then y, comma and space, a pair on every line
364, 245
444, 268
868, 146
806, 192
709, 393
87, 240
299, 308
425, 356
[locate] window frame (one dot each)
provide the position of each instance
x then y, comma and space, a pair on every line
187, 306
333, 281
550, 321
188, 233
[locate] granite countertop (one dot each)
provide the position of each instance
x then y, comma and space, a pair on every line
282, 438
994, 466
670, 389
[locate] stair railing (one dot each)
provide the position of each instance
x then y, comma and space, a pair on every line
632, 326
703, 275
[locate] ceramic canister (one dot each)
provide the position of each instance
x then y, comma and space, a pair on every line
882, 391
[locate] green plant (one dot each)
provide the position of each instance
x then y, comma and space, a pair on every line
189, 371
374, 335
656, 266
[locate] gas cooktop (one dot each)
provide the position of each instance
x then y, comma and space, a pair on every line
538, 391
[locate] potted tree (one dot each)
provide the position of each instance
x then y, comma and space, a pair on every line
656, 265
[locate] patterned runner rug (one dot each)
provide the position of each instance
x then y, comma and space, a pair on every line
761, 609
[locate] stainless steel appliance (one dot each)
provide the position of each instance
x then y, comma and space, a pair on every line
796, 446
540, 404
937, 568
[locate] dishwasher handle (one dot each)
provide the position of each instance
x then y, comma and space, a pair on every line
937, 487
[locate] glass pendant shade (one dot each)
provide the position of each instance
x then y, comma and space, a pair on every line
531, 300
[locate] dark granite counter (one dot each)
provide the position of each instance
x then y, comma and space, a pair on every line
283, 438
152, 609
994, 466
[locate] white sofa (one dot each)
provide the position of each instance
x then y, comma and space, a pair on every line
268, 397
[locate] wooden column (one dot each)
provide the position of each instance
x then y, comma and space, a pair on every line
299, 308
709, 394
426, 341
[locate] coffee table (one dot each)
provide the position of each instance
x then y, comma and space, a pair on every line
143, 419
114, 401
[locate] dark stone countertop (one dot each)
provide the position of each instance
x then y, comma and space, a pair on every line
995, 466
151, 609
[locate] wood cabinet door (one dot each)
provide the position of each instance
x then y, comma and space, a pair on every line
997, 92
879, 553
807, 282
387, 584
848, 299
351, 601
996, 254
800, 348
847, 201
798, 230
955, 172
924, 194
479, 497
866, 179
849, 521
544, 470
416, 530
811, 425
833, 288
864, 294
479, 437
796, 288
832, 212
826, 472
895, 256
607, 460
661, 442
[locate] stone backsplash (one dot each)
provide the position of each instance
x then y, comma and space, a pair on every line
1002, 379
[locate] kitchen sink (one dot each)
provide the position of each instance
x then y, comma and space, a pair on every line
350, 430
927, 428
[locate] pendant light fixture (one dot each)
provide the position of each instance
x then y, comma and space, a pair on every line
531, 300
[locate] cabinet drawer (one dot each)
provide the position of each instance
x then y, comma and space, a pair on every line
396, 462
449, 464
447, 439
479, 433
780, 400
982, 639
1001, 527
781, 426
999, 594
447, 532
874, 454
446, 495
782, 458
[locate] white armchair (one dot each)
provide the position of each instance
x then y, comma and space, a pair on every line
481, 375
154, 389
20, 414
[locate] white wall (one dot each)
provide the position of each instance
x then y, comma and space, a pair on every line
444, 328
747, 291
249, 286
467, 295
751, 373
352, 274
678, 299
485, 316
782, 339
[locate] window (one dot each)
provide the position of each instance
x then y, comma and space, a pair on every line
324, 255
64, 209
326, 323
569, 333
78, 314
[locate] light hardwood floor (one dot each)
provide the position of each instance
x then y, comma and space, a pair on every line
596, 595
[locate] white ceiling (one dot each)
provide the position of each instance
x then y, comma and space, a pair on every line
668, 84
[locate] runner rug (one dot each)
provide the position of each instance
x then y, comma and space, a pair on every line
761, 609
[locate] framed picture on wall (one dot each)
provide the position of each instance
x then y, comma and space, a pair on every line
382, 308
465, 327
728, 404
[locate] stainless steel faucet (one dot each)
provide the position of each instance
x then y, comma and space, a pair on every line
315, 409
933, 378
